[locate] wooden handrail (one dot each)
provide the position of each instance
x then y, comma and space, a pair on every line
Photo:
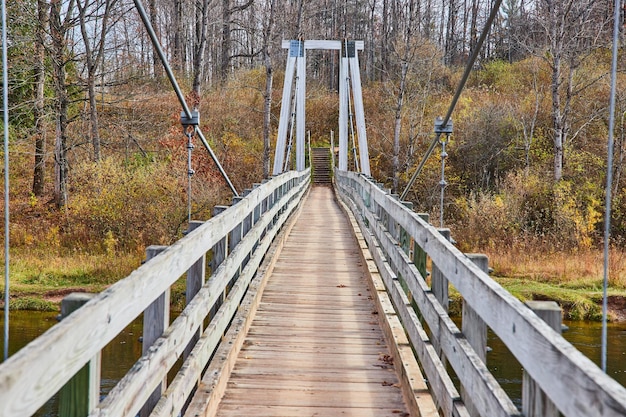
573, 382
35, 373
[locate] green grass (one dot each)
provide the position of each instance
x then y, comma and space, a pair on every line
578, 300
40, 280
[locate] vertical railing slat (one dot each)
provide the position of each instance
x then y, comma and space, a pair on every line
81, 394
156, 318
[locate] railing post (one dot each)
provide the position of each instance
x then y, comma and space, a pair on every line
404, 238
419, 256
439, 283
156, 318
81, 394
220, 252
475, 331
195, 280
234, 238
219, 249
535, 403
474, 328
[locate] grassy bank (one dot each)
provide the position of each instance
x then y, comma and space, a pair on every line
40, 279
571, 278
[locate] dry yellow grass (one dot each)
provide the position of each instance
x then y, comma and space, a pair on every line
580, 268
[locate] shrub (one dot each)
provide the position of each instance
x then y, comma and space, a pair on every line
124, 206
529, 210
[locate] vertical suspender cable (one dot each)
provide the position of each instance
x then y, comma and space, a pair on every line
609, 182
457, 94
5, 112
179, 93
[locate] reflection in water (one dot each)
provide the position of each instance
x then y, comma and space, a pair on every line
117, 357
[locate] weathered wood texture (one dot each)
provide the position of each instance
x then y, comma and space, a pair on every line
34, 374
576, 385
81, 393
535, 402
315, 344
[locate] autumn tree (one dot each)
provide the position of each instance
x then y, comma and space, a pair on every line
570, 30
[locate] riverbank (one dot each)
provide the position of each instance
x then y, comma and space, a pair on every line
39, 281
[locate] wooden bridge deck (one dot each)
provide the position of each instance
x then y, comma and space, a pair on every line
315, 346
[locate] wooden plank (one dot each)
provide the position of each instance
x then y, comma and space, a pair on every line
413, 385
287, 411
156, 319
321, 362
343, 113
212, 386
359, 113
285, 111
535, 402
300, 111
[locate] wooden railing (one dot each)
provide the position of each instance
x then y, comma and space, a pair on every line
237, 239
558, 375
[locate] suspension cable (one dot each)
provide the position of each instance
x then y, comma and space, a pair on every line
179, 93
609, 183
457, 94
5, 111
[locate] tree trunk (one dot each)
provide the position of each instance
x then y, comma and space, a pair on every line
92, 58
400, 100
269, 77
157, 67
384, 49
58, 31
225, 56
178, 53
297, 33
38, 110
557, 118
200, 46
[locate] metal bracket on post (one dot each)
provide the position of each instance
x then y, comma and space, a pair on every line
440, 128
187, 121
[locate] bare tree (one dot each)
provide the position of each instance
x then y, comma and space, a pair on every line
61, 21
267, 95
93, 56
201, 23
571, 28
156, 63
406, 60
227, 20
38, 109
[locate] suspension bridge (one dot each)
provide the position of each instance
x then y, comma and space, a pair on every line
316, 292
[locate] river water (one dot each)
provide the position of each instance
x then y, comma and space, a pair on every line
119, 355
